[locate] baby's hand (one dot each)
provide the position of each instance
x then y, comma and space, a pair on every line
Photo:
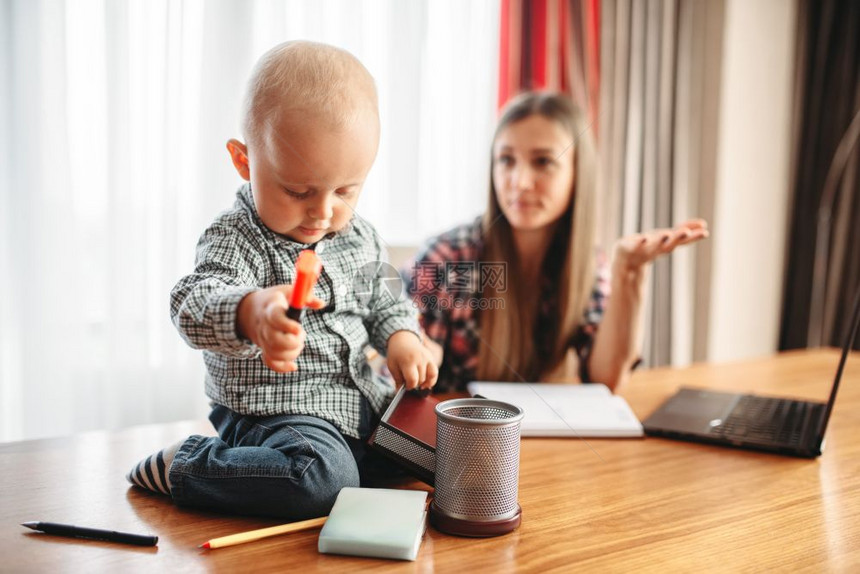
262, 318
436, 351
410, 363
634, 251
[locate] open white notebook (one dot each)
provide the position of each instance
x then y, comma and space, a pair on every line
552, 409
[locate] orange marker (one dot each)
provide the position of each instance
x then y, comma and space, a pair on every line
308, 269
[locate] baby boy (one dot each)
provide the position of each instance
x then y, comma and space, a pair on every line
292, 403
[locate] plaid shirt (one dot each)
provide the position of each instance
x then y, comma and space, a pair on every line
236, 255
450, 318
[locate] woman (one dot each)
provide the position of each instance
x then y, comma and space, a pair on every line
518, 294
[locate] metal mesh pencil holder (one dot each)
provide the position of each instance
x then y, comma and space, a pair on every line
477, 467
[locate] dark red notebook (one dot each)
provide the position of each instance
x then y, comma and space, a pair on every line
407, 434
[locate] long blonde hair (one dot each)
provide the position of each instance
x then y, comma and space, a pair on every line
507, 350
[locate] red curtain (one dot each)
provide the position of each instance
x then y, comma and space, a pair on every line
552, 45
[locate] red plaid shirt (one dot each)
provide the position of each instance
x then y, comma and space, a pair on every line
446, 280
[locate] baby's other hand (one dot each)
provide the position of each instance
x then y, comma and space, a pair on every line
436, 351
262, 318
411, 363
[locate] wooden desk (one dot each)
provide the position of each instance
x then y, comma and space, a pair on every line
601, 505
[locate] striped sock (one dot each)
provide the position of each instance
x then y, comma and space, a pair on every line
152, 472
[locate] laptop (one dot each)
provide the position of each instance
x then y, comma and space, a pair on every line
773, 424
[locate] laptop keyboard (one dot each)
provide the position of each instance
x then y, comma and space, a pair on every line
765, 419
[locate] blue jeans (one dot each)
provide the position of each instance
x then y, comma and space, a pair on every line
289, 466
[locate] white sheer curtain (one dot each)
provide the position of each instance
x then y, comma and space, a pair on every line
113, 120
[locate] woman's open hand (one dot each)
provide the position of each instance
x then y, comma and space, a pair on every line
633, 252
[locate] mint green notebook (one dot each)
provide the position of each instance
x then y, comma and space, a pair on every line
377, 522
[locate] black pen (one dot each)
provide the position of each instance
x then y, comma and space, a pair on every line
94, 533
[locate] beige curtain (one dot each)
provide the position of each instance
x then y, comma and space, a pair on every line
659, 72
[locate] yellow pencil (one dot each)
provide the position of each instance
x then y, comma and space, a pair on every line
243, 537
